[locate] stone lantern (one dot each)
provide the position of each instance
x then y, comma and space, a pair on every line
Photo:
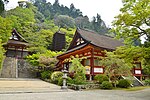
64, 78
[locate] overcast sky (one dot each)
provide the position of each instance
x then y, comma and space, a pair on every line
106, 8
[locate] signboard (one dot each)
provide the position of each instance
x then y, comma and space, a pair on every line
137, 71
98, 70
87, 69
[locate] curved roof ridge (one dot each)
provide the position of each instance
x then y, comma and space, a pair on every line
100, 40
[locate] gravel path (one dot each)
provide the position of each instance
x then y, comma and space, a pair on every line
35, 89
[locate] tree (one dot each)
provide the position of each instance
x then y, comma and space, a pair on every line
1, 53
1, 6
131, 25
114, 66
64, 21
134, 20
82, 22
5, 30
98, 25
78, 69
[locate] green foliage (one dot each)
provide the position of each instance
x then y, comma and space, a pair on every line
78, 69
64, 21
130, 25
60, 81
33, 59
79, 78
43, 61
98, 25
147, 82
132, 53
55, 77
69, 80
69, 17
106, 85
5, 29
100, 78
124, 83
1, 54
46, 74
114, 65
76, 65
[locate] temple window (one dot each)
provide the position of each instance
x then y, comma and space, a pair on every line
96, 62
137, 66
87, 62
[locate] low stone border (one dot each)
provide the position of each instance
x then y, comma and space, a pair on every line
81, 87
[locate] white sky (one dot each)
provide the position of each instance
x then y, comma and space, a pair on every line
108, 9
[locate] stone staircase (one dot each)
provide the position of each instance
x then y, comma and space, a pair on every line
9, 68
135, 81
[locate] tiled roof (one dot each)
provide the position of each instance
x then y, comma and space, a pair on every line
100, 40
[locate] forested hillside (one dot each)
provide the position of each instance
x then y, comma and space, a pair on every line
38, 20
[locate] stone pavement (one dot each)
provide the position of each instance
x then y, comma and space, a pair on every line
25, 85
81, 95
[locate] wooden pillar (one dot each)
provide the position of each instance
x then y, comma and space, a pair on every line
22, 52
15, 52
92, 64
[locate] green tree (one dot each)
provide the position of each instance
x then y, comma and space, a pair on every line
131, 24
64, 21
114, 66
5, 30
1, 53
43, 61
78, 69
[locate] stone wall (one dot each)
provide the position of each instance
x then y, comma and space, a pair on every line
9, 68
25, 69
16, 68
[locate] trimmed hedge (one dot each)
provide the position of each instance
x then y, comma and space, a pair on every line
55, 77
46, 74
106, 85
124, 83
79, 78
147, 82
100, 78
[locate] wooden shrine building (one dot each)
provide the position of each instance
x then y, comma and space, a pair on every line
91, 45
16, 46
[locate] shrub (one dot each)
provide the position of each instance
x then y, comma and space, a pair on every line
45, 74
55, 76
124, 83
70, 80
147, 82
79, 78
60, 81
100, 78
106, 85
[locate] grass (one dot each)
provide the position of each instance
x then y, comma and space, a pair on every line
137, 88
133, 88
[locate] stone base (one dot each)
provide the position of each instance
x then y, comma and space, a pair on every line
64, 87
